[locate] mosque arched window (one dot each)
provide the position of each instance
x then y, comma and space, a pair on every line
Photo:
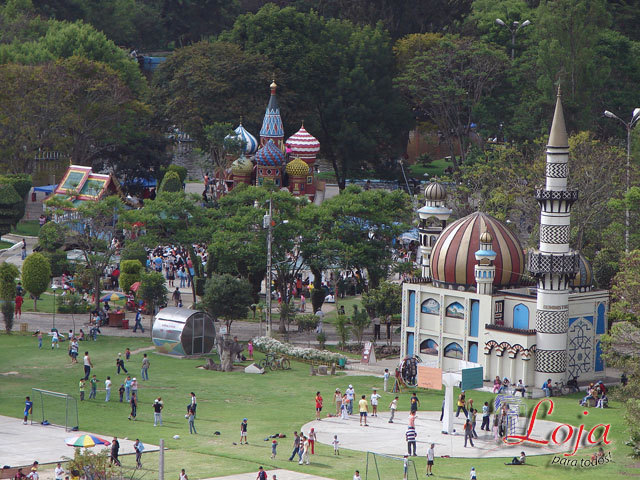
453, 350
429, 347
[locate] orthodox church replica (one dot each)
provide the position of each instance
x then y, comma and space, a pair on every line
287, 164
471, 304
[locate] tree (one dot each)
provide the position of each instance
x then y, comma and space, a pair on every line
153, 291
8, 275
343, 329
446, 82
384, 300
11, 208
171, 183
359, 323
51, 236
36, 275
307, 323
227, 297
129, 273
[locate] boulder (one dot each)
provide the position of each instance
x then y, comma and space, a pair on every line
253, 368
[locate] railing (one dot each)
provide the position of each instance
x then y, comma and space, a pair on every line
565, 195
502, 328
541, 263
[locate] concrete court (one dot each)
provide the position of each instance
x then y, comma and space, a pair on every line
24, 444
280, 473
389, 438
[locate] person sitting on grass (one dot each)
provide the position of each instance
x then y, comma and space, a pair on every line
518, 461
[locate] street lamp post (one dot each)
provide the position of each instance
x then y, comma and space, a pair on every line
629, 126
513, 28
54, 288
267, 222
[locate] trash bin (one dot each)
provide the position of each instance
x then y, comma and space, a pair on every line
125, 324
342, 362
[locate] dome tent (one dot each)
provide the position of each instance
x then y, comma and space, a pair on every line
183, 332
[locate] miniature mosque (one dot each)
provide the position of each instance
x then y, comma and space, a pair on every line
472, 304
287, 164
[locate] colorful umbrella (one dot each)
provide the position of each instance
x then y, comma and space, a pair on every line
112, 297
86, 441
134, 286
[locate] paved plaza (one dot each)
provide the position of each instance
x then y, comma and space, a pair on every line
280, 474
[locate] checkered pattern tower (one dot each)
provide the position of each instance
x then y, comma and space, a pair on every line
554, 265
433, 219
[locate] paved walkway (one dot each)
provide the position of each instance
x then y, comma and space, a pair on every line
383, 437
281, 475
22, 444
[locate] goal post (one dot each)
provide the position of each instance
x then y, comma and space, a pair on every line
55, 408
389, 467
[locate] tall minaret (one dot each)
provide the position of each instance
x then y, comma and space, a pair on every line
433, 218
272, 128
554, 264
485, 270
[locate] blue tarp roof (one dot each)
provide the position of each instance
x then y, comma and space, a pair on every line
142, 182
45, 188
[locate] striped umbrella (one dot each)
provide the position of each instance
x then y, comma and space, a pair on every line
86, 441
112, 297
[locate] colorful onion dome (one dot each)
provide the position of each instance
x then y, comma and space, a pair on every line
242, 166
270, 155
250, 142
272, 123
453, 256
435, 192
584, 278
303, 144
297, 168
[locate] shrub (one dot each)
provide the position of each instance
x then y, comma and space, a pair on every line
72, 304
134, 251
171, 183
268, 344
130, 271
199, 283
51, 236
7, 315
11, 208
322, 339
181, 171
20, 181
36, 274
57, 261
343, 329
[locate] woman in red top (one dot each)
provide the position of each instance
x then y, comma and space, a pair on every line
318, 405
312, 440
19, 300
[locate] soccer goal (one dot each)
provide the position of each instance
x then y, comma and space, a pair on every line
389, 467
55, 408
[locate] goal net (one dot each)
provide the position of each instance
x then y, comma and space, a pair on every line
54, 408
381, 466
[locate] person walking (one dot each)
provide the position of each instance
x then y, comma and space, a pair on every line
120, 364
430, 459
183, 475
138, 323
192, 418
364, 410
24, 249
157, 411
415, 403
318, 405
19, 300
39, 333
121, 392
386, 379
55, 340
176, 297
134, 386
107, 389
139, 448
474, 416
305, 452
262, 475
115, 449
296, 445
472, 474
393, 406
312, 440
134, 406
274, 448
28, 409
145, 367
374, 402
94, 387
485, 417
468, 433
243, 432
411, 440
127, 387
81, 389
376, 328
350, 396
337, 399
87, 365
344, 409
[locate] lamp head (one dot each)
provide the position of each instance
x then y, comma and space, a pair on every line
525, 23
500, 22
608, 114
636, 113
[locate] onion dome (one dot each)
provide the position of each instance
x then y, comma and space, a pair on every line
270, 155
272, 123
486, 237
303, 144
435, 192
297, 168
453, 256
250, 142
242, 166
583, 280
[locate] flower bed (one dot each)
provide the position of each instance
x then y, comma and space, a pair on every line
269, 345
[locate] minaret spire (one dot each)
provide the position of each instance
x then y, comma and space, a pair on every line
433, 218
554, 264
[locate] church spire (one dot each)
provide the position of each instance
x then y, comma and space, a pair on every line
558, 136
272, 128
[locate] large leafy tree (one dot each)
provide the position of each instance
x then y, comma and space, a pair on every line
36, 274
227, 297
8, 275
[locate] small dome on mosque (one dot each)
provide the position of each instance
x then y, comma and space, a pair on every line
303, 144
273, 84
584, 278
486, 237
270, 155
297, 168
250, 142
435, 192
453, 255
242, 166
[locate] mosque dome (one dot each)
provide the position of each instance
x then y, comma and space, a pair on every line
297, 168
270, 155
435, 192
242, 166
303, 144
250, 142
486, 237
453, 255
584, 278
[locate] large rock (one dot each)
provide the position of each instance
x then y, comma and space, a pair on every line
253, 368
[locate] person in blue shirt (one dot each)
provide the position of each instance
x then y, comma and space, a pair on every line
138, 321
28, 408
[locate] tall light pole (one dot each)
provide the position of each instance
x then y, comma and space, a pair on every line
513, 28
629, 126
54, 288
267, 222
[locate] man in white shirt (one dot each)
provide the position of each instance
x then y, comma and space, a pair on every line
356, 476
59, 472
374, 402
350, 395
430, 456
107, 387
393, 406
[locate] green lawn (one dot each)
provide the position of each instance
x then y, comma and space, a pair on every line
29, 228
4, 244
45, 304
437, 168
276, 402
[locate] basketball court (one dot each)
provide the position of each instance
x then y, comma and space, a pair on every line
24, 444
389, 438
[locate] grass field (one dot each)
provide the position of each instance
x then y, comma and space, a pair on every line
4, 244
435, 168
276, 402
30, 228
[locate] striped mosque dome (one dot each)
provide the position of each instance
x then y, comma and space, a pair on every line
435, 192
303, 144
453, 256
250, 142
583, 281
270, 155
